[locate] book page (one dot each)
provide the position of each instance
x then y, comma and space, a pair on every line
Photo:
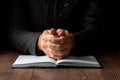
32, 60
86, 61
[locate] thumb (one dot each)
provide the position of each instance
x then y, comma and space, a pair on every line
61, 32
53, 31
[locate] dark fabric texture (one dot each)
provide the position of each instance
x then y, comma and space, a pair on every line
83, 18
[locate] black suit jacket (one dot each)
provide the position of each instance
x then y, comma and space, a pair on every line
29, 18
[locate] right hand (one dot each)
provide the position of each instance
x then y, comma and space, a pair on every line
55, 43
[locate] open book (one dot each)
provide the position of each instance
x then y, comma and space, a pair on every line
44, 61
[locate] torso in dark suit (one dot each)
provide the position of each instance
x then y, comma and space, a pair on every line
31, 17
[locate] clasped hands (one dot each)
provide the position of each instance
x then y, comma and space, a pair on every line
56, 44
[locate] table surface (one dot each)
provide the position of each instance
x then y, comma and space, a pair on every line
110, 70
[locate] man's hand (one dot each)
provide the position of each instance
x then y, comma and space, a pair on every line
56, 44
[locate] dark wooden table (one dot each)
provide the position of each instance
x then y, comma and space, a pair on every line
110, 70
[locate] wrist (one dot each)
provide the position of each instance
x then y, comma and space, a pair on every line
39, 43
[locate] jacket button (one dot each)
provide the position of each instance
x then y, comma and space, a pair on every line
60, 14
66, 4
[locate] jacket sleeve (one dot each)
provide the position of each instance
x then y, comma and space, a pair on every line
20, 35
86, 39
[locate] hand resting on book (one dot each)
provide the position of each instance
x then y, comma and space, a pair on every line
56, 44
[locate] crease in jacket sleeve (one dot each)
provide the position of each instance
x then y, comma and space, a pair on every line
24, 41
